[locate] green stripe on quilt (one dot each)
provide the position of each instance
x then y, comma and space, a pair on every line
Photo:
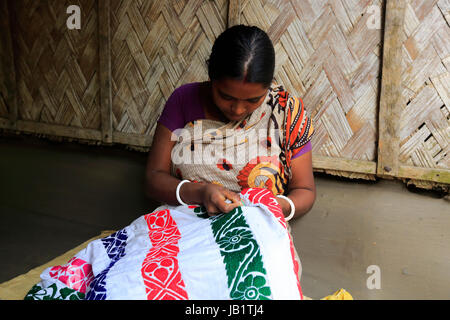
52, 292
247, 277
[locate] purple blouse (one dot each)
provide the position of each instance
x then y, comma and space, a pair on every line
185, 105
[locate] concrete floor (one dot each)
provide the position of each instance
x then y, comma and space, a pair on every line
54, 196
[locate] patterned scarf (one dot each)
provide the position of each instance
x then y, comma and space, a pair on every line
254, 152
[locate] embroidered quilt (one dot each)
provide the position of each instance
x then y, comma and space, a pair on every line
179, 253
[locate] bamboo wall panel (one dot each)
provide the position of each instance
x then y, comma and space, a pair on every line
156, 47
8, 105
4, 112
109, 81
328, 56
57, 68
4, 20
425, 120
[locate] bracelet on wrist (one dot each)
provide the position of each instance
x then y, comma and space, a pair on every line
177, 192
291, 204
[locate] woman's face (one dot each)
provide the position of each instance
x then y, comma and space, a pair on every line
237, 99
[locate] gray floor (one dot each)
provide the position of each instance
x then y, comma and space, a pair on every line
354, 226
54, 196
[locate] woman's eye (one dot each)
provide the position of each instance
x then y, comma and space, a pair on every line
253, 100
225, 97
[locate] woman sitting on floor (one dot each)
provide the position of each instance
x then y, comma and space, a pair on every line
231, 163
239, 97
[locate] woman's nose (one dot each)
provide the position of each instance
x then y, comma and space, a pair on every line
238, 109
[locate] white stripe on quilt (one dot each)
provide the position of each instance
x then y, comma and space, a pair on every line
124, 279
96, 255
268, 232
203, 272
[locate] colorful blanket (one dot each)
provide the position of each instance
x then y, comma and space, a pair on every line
182, 253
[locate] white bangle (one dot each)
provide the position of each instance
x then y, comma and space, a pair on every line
291, 215
177, 193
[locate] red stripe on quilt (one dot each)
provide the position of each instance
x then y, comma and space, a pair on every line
160, 270
76, 274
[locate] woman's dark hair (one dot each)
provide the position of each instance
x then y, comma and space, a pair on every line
243, 53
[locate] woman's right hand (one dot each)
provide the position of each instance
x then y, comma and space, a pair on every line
160, 185
214, 197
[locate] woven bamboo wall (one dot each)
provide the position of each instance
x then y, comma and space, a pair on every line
425, 119
327, 55
6, 83
414, 131
108, 82
157, 46
56, 70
